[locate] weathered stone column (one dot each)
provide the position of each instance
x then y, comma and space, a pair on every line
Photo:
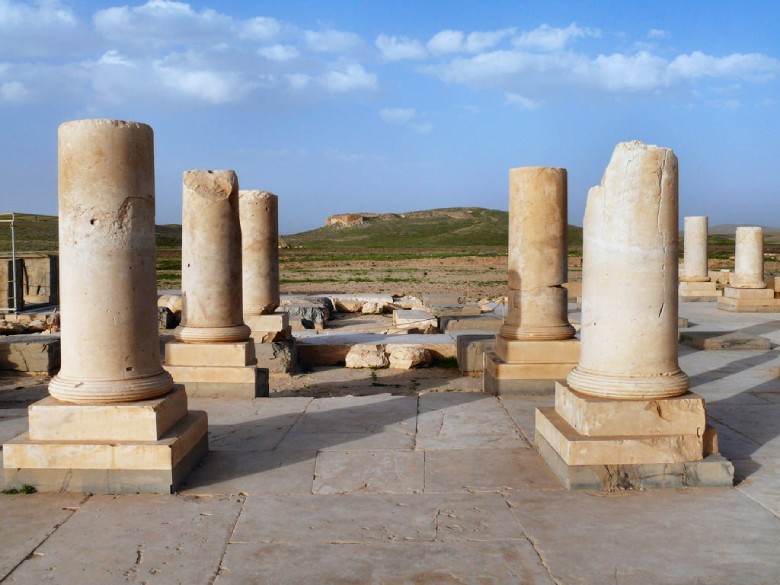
211, 259
535, 346
629, 288
213, 354
259, 215
695, 267
108, 286
537, 255
625, 418
114, 423
749, 259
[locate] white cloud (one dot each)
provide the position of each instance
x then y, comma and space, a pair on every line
280, 53
331, 41
351, 77
522, 101
14, 92
423, 127
114, 58
446, 41
215, 87
298, 81
479, 41
629, 73
547, 38
397, 115
656, 33
397, 48
750, 66
262, 28
41, 28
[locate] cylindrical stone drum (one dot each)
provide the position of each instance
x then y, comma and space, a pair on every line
108, 287
537, 255
211, 259
629, 274
695, 267
259, 214
748, 259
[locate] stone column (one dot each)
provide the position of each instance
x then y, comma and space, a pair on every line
629, 309
259, 214
695, 267
749, 259
211, 259
537, 255
536, 345
108, 287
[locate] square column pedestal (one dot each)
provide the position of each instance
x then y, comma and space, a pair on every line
528, 367
274, 344
749, 300
216, 370
147, 446
592, 442
699, 291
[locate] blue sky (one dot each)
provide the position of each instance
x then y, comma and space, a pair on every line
393, 106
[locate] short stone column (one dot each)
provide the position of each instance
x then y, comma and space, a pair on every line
625, 414
111, 391
213, 354
535, 346
695, 282
747, 291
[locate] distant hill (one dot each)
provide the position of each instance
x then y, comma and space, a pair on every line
452, 227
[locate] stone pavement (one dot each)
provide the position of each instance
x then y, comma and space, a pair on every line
402, 481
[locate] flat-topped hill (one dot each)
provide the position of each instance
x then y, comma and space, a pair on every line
452, 227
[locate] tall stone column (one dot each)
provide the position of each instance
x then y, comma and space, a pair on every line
535, 346
114, 423
213, 354
211, 259
629, 274
625, 419
695, 267
747, 291
108, 284
748, 259
259, 215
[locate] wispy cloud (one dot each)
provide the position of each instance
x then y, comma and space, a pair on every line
394, 48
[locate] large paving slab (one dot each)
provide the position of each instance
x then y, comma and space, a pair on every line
135, 539
510, 563
384, 472
27, 520
658, 536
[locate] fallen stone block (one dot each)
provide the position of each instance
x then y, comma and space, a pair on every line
470, 323
371, 308
279, 357
454, 310
414, 319
407, 302
165, 318
724, 340
30, 353
406, 357
471, 348
307, 314
366, 355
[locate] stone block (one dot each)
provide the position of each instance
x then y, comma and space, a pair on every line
30, 353
406, 357
238, 353
413, 319
470, 323
430, 299
279, 357
108, 467
307, 313
577, 449
565, 351
724, 340
454, 310
712, 471
365, 355
682, 322
165, 318
144, 420
594, 416
749, 293
263, 324
502, 378
699, 291
470, 349
244, 382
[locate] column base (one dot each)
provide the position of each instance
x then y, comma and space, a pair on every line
533, 367
237, 353
749, 300
148, 446
699, 291
269, 328
592, 442
242, 382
